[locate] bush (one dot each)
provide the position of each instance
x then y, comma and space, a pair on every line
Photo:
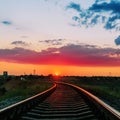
2, 91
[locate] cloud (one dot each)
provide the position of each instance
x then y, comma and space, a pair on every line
19, 43
52, 42
75, 6
6, 22
100, 6
75, 55
24, 36
100, 12
117, 40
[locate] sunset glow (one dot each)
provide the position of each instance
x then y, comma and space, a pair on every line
18, 69
56, 74
60, 37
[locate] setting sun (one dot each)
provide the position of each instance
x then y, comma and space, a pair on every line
56, 73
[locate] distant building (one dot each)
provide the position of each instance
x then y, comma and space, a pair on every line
5, 73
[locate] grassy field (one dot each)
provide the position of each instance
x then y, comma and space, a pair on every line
106, 88
25, 88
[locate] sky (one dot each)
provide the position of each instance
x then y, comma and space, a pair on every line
67, 37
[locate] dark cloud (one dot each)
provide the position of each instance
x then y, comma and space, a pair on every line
113, 6
52, 42
102, 11
19, 42
117, 40
79, 55
75, 6
6, 22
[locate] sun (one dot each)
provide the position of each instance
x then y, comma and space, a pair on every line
56, 74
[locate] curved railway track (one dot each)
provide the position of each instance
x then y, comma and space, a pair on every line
65, 103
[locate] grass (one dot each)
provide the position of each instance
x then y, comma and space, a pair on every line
107, 88
24, 89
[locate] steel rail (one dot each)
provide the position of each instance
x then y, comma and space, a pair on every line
64, 103
99, 106
12, 112
102, 110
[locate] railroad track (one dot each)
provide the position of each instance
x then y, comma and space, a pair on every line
66, 102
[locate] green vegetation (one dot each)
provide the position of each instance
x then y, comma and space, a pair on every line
107, 88
23, 88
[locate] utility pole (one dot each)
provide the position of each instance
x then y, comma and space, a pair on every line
34, 72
